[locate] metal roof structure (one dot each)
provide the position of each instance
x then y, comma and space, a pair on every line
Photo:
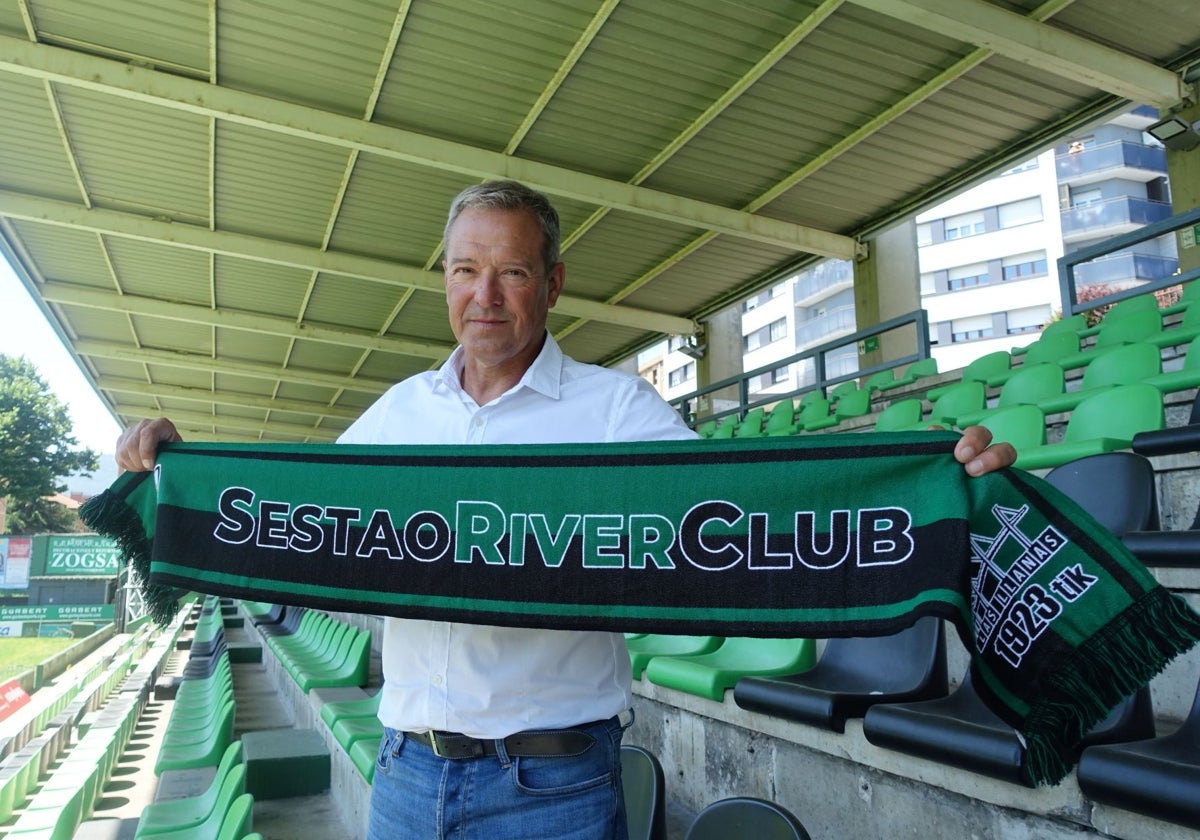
231, 210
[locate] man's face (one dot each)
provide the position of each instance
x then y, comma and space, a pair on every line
497, 289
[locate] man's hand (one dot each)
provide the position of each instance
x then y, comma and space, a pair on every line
137, 447
976, 451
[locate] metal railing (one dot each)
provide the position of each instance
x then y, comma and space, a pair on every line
1069, 265
688, 405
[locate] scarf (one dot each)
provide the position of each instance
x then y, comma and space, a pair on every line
817, 536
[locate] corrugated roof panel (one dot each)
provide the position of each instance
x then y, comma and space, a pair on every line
11, 22
321, 54
634, 92
253, 286
137, 157
350, 302
618, 250
272, 185
390, 367
424, 316
707, 272
819, 92
116, 367
182, 378
598, 341
471, 70
172, 35
1136, 28
151, 269
172, 334
250, 346
386, 213
34, 159
65, 254
100, 324
323, 357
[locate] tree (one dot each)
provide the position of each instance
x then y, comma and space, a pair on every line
37, 446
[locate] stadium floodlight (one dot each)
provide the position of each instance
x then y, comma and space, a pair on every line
1176, 133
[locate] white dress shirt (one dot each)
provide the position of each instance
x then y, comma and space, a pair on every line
489, 682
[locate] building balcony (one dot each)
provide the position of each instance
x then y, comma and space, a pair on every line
822, 281
1120, 159
840, 320
1121, 269
1109, 218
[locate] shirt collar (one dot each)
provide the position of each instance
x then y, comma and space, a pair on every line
544, 376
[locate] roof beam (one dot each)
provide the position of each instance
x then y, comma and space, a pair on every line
72, 295
233, 367
1040, 46
181, 392
114, 78
15, 205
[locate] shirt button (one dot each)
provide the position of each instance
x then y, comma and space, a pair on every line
437, 680
478, 421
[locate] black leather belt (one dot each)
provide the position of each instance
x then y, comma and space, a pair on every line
549, 743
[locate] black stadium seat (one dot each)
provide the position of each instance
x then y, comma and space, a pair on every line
1159, 777
853, 675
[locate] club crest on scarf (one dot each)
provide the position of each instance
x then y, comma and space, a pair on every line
1011, 610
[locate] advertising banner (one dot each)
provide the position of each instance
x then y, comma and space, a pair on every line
15, 554
87, 556
12, 697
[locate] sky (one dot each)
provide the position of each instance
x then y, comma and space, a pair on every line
24, 331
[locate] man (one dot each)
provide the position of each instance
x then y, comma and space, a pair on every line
532, 719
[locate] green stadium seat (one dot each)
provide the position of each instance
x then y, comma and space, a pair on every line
1131, 327
853, 404
876, 381
712, 674
1073, 324
1047, 350
1181, 333
171, 815
958, 399
782, 419
751, 425
1186, 377
1024, 426
902, 414
1189, 295
980, 370
1031, 384
1105, 422
1122, 365
642, 650
915, 371
841, 389
1141, 303
817, 415
363, 755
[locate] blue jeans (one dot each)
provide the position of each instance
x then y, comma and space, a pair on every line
418, 796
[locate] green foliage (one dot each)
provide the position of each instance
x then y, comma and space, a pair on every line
37, 447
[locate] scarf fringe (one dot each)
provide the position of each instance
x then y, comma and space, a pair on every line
108, 514
1106, 669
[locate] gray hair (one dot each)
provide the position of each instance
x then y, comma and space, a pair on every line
511, 195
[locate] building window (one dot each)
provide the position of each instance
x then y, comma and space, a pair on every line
968, 276
969, 329
1083, 198
781, 374
1023, 266
1032, 163
1027, 320
682, 375
1023, 212
964, 225
765, 335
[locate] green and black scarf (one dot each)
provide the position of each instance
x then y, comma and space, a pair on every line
819, 536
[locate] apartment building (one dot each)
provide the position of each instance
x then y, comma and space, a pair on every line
987, 260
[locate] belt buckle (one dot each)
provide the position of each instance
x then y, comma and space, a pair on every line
452, 747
